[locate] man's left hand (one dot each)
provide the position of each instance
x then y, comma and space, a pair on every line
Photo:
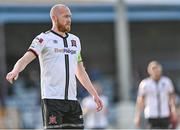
99, 103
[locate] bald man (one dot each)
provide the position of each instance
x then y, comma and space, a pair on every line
59, 54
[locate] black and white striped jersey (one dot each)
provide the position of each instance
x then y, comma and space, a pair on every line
58, 57
156, 96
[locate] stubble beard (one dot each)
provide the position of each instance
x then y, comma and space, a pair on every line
63, 28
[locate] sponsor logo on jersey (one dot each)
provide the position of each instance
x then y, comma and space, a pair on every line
55, 41
65, 50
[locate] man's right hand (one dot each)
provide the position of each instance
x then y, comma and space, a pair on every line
11, 76
20, 66
137, 121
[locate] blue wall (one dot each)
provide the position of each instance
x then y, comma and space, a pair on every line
90, 13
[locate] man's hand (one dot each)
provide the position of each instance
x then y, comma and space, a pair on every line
20, 66
11, 76
173, 120
137, 121
99, 103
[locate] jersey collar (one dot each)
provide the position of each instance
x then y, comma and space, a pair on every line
59, 34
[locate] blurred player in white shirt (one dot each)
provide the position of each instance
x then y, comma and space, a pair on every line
156, 97
94, 119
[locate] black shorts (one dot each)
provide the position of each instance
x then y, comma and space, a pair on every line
60, 114
158, 123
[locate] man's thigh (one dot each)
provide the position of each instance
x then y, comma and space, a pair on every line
74, 118
62, 114
158, 123
165, 123
53, 113
153, 124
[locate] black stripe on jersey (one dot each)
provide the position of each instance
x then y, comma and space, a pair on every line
67, 76
66, 64
158, 97
67, 70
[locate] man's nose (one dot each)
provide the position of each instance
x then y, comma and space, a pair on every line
69, 20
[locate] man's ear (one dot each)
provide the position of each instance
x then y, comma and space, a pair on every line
149, 71
54, 18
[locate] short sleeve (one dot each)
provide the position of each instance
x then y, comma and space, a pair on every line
37, 45
170, 86
141, 90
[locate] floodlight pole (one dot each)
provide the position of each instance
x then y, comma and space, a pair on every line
123, 53
124, 72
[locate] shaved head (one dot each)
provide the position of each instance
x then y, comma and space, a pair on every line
155, 70
61, 18
56, 9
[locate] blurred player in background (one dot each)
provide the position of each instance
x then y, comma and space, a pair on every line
59, 54
157, 98
94, 120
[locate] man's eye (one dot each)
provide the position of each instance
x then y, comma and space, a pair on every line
68, 16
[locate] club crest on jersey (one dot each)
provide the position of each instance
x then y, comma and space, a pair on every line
52, 119
73, 43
